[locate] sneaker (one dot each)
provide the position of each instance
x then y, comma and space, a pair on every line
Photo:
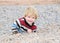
15, 32
14, 29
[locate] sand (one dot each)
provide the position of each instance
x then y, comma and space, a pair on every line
48, 23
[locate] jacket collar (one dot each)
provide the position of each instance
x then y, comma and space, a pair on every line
28, 23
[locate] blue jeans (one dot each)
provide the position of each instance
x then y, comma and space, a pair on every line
17, 28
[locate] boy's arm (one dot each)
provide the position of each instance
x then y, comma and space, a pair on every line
20, 26
16, 24
34, 30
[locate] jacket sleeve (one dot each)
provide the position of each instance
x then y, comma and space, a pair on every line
16, 24
34, 28
19, 25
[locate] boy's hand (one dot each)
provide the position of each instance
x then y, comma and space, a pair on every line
29, 30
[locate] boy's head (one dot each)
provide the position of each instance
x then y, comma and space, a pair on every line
30, 14
31, 11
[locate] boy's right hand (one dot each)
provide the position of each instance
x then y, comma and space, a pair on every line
29, 30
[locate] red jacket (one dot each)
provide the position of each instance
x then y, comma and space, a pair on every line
24, 23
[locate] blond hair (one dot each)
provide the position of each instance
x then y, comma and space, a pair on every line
32, 11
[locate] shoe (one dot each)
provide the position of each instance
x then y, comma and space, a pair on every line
14, 29
15, 32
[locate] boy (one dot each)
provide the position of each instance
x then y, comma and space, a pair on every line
26, 23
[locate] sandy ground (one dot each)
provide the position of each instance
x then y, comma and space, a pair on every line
48, 24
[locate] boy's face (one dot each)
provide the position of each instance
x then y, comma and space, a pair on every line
30, 19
